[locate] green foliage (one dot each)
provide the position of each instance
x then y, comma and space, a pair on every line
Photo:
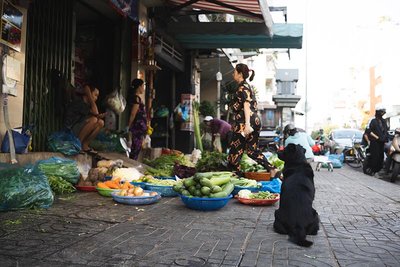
207, 108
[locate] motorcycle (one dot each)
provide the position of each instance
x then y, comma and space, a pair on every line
275, 145
395, 166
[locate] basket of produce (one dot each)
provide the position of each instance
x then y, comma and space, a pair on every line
205, 204
258, 176
136, 197
84, 188
108, 187
106, 192
262, 198
162, 186
244, 183
238, 188
138, 183
165, 177
206, 184
163, 190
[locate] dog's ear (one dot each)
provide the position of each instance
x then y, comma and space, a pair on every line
302, 149
291, 148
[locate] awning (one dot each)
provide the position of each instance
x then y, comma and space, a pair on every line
253, 8
210, 35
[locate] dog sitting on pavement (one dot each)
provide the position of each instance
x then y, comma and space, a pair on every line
296, 217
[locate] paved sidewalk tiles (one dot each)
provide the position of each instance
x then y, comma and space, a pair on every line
360, 226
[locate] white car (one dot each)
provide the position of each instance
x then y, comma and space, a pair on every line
341, 138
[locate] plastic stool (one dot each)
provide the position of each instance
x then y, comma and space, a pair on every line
321, 160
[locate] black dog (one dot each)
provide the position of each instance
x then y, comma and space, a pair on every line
296, 216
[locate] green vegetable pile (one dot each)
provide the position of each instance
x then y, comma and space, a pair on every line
164, 165
59, 186
64, 168
244, 182
249, 165
263, 195
24, 187
275, 161
207, 185
165, 182
212, 162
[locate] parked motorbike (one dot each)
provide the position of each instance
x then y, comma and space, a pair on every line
275, 145
395, 166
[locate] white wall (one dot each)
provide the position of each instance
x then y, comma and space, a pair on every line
15, 104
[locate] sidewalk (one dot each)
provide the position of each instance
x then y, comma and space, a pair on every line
360, 226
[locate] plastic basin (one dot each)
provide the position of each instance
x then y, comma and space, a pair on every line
205, 204
105, 192
163, 190
141, 184
142, 200
238, 188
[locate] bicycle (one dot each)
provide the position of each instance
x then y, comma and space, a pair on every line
355, 156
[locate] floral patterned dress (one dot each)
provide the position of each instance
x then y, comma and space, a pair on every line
138, 128
239, 144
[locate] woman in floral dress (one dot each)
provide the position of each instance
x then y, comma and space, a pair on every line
137, 120
247, 125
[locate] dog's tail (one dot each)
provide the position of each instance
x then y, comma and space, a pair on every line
299, 237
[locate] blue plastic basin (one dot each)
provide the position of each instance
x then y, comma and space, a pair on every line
205, 204
238, 188
163, 190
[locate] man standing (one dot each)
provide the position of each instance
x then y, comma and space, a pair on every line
221, 128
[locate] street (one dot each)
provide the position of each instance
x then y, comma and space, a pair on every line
360, 226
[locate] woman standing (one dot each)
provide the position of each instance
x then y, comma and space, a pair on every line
247, 125
377, 136
137, 120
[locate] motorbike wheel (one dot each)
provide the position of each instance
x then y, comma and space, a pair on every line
395, 172
351, 159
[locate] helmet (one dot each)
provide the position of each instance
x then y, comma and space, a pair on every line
289, 129
379, 110
208, 118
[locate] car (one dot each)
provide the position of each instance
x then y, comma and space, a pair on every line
342, 138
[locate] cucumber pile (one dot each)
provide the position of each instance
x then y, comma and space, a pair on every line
206, 184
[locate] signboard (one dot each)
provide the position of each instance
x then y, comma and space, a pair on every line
11, 25
127, 8
187, 106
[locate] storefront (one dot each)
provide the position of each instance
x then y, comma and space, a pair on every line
69, 44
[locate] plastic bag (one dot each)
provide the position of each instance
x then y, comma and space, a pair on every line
64, 142
21, 142
161, 112
217, 143
273, 186
64, 168
146, 142
336, 161
178, 113
24, 187
116, 102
